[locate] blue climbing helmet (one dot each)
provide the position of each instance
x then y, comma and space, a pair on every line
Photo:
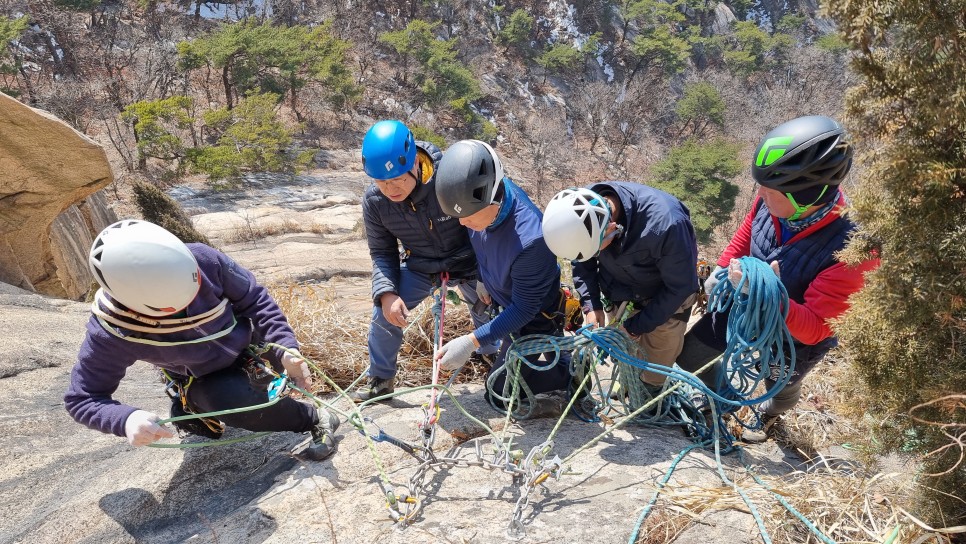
388, 150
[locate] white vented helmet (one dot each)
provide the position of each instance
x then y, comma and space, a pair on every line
574, 223
145, 268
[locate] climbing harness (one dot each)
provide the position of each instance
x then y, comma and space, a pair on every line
207, 424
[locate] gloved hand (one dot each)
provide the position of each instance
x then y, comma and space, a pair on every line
141, 428
456, 352
735, 274
712, 281
297, 369
482, 292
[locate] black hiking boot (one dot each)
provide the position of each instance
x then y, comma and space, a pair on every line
376, 387
323, 442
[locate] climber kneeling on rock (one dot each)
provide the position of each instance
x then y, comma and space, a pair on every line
191, 311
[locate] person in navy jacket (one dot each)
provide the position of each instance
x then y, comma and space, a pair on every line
797, 223
629, 244
400, 208
191, 311
517, 269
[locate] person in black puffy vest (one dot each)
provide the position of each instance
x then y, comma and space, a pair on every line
797, 224
400, 208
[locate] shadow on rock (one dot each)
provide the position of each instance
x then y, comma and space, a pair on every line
211, 485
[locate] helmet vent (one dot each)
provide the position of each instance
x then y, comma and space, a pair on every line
588, 224
100, 277
478, 193
482, 168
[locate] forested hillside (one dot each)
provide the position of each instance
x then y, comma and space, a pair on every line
673, 93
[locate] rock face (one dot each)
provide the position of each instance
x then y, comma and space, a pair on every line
49, 209
723, 18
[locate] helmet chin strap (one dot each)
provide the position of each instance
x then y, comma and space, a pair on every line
799, 209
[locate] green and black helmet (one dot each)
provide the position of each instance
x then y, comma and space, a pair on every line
803, 153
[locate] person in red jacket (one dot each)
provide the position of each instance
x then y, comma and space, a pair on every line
797, 224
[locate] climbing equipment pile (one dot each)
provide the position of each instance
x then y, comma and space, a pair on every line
757, 340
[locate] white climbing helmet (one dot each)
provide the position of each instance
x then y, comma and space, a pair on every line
145, 268
574, 223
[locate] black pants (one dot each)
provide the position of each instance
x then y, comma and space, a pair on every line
556, 378
231, 388
706, 340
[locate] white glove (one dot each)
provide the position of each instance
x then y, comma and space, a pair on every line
482, 292
456, 352
141, 428
712, 281
297, 369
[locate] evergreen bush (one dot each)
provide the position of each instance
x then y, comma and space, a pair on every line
906, 333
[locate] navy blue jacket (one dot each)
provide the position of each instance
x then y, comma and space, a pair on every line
516, 266
652, 263
432, 241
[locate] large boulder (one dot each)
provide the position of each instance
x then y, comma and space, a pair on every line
49, 210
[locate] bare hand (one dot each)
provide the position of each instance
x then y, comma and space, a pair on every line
594, 318
297, 369
483, 293
735, 274
394, 308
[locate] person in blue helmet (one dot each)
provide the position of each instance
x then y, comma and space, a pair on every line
517, 268
400, 208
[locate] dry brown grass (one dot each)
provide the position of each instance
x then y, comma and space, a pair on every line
334, 338
861, 499
847, 507
250, 231
664, 524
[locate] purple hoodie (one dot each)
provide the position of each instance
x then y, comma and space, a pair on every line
104, 358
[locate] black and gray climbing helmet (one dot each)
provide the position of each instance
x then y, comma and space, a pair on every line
468, 178
803, 153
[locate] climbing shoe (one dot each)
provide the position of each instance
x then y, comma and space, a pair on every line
323, 442
207, 427
769, 425
376, 387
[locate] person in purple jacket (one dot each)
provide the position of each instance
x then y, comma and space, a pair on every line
191, 311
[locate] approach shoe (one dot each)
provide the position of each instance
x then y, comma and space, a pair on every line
769, 426
323, 436
376, 387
